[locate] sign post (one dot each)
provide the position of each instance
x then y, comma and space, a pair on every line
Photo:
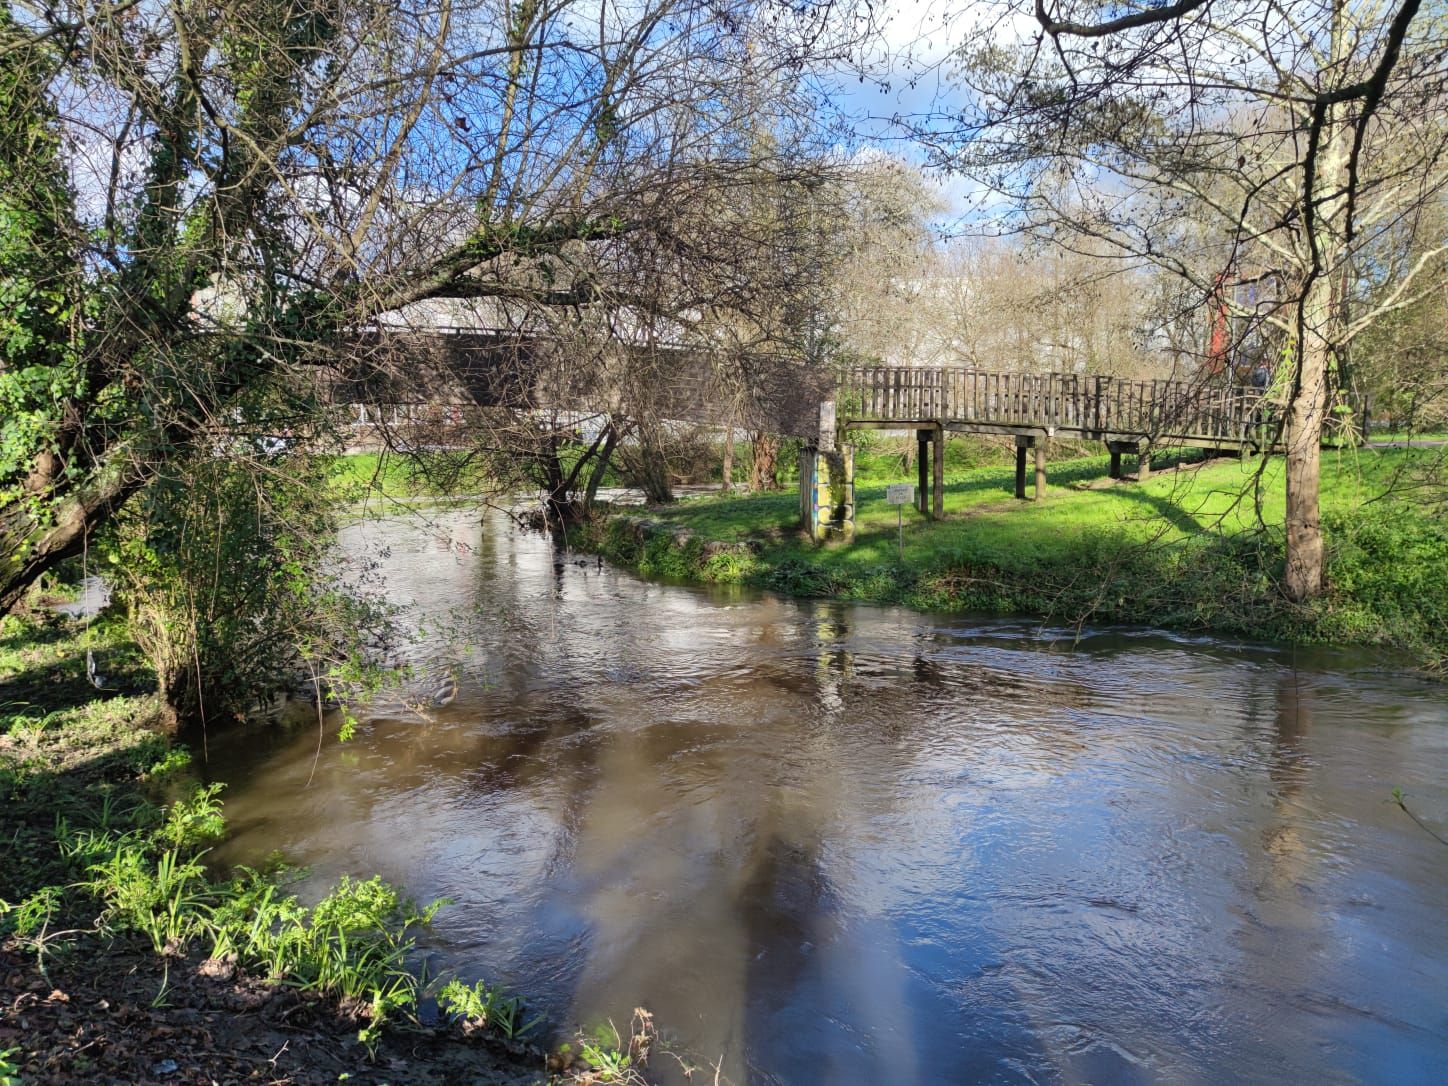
900, 495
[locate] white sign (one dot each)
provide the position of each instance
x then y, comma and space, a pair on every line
900, 494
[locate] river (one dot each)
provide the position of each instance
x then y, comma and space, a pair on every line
837, 843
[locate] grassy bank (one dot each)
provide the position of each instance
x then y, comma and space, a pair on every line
384, 474
124, 958
1430, 437
1195, 548
373, 475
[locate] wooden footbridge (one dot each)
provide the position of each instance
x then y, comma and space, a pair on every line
1132, 417
483, 368
468, 370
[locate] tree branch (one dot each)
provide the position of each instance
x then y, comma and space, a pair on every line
1114, 26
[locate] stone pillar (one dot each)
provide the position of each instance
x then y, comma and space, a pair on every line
807, 456
828, 434
832, 494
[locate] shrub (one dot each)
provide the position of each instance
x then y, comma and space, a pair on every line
225, 572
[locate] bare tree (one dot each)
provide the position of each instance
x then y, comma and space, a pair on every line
209, 196
1402, 360
1008, 303
1266, 153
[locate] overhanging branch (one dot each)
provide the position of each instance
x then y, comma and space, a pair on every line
1115, 26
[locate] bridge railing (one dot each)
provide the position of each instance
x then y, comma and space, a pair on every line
1063, 401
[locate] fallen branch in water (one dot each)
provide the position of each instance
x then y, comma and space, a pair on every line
1398, 799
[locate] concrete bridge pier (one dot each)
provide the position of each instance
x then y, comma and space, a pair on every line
1116, 448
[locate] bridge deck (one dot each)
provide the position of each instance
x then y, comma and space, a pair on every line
1100, 408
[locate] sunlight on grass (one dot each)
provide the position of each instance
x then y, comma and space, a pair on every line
1199, 547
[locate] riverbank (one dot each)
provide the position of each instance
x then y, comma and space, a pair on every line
1197, 547
124, 958
380, 476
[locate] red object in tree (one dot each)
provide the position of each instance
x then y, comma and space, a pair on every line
1217, 344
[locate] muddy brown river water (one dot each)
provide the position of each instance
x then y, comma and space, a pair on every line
836, 843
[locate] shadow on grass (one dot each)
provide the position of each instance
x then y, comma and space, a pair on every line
84, 774
62, 682
1164, 507
1000, 480
770, 517
71, 755
731, 516
26, 635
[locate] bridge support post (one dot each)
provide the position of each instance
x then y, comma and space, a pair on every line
930, 472
922, 472
807, 455
938, 480
1040, 470
1022, 444
832, 494
1143, 463
1115, 470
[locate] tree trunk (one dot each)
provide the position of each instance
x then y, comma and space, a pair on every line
1304, 578
32, 545
764, 472
1320, 331
727, 471
600, 467
1303, 437
557, 499
652, 466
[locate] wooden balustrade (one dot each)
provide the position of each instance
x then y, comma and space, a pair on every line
1098, 407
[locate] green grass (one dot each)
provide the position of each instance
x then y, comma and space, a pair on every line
380, 473
425, 475
393, 475
880, 458
1198, 548
1411, 435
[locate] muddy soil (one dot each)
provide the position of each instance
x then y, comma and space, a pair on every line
117, 1013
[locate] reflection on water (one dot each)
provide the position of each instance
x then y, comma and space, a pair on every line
836, 843
93, 597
